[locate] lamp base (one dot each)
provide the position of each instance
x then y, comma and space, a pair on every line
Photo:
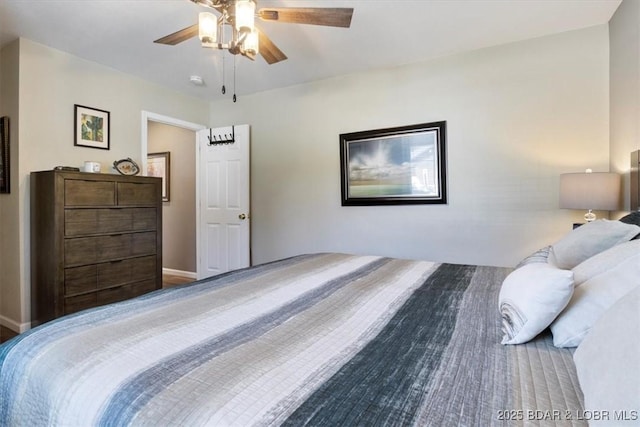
589, 216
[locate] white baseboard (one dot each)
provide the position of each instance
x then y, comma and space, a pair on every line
14, 326
180, 273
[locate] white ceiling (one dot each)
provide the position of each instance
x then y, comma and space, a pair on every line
383, 33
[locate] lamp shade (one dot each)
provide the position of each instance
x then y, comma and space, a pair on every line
591, 190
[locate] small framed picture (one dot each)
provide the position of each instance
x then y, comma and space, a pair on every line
159, 165
91, 127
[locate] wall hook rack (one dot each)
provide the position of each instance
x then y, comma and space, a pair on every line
222, 139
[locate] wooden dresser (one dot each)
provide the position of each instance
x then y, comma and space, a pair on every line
95, 239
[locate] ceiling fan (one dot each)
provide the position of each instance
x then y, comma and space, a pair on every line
244, 38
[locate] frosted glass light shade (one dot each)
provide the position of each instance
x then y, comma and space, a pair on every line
593, 191
245, 15
251, 43
207, 28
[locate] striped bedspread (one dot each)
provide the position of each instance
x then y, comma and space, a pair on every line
321, 339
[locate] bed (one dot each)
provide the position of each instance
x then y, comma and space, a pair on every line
317, 339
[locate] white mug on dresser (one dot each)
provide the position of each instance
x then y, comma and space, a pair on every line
93, 167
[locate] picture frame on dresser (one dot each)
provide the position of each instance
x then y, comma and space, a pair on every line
91, 127
159, 165
394, 166
4, 156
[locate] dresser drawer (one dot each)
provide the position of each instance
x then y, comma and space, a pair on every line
144, 219
108, 296
130, 193
89, 193
143, 244
79, 280
89, 278
79, 222
80, 302
121, 293
91, 250
126, 271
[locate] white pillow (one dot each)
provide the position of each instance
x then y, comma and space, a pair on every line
591, 299
608, 361
530, 298
605, 261
590, 239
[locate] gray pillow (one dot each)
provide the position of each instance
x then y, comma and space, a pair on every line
608, 363
588, 240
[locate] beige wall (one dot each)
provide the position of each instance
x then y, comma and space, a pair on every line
624, 33
50, 83
179, 213
11, 244
518, 116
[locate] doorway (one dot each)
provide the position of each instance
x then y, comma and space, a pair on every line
176, 141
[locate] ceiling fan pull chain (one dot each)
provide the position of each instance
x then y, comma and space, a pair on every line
234, 80
224, 89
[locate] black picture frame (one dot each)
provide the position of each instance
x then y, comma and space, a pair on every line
394, 166
5, 158
92, 127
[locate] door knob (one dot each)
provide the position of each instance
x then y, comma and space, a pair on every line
242, 216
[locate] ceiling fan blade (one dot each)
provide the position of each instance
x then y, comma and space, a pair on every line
269, 50
331, 17
179, 36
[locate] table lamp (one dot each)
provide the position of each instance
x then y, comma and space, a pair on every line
591, 191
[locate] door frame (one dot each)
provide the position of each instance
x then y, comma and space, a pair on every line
147, 117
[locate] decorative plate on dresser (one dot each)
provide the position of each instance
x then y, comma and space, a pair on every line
126, 166
95, 239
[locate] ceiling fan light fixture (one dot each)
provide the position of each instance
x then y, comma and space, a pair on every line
207, 28
251, 42
245, 15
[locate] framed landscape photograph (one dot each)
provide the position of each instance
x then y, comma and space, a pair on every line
91, 127
159, 165
4, 155
394, 166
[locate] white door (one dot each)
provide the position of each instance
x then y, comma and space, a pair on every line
223, 186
